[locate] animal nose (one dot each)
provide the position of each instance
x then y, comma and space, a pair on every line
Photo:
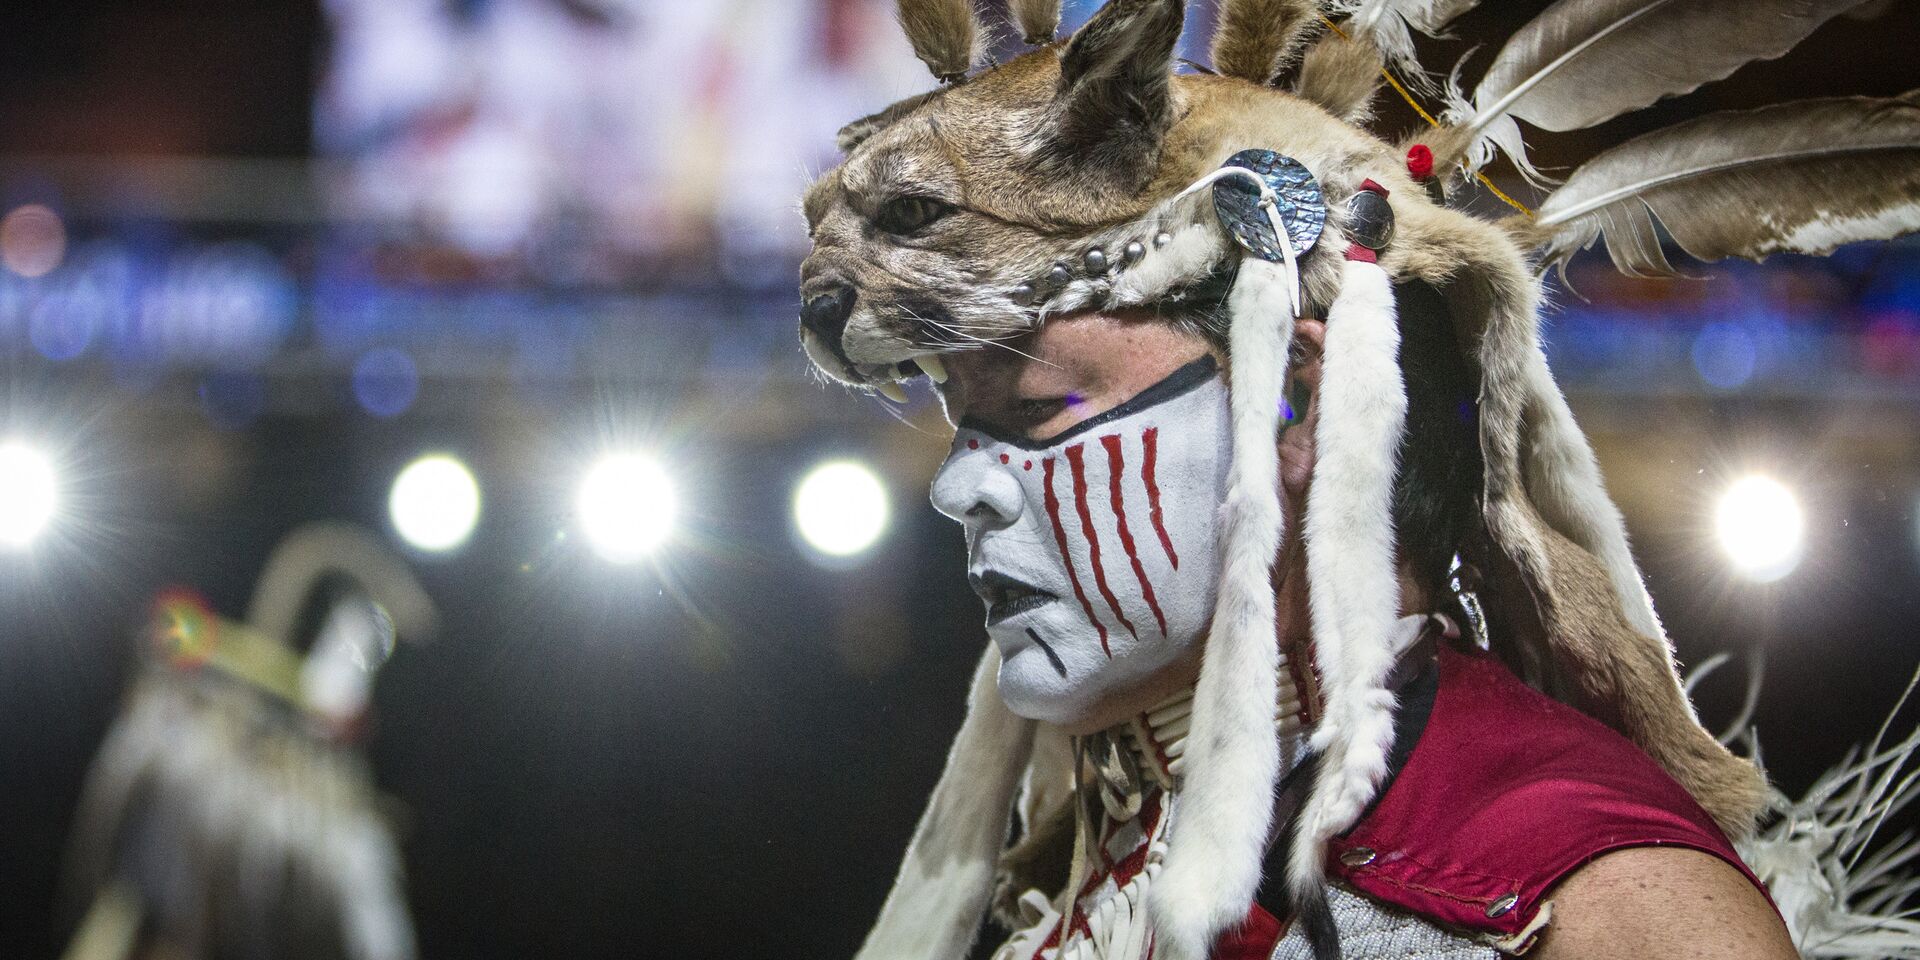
826, 315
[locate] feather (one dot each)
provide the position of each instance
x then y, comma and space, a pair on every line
1801, 177
945, 35
1842, 894
1341, 75
1256, 39
1038, 20
1586, 61
1385, 23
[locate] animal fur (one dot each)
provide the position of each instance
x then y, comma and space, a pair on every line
945, 35
1352, 578
1226, 808
947, 877
1258, 39
1341, 75
1038, 20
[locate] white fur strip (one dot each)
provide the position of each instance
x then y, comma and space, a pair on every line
937, 901
1353, 590
1226, 802
1564, 483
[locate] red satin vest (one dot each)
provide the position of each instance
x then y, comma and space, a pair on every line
1503, 794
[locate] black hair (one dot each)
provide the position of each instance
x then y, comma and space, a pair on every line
1437, 488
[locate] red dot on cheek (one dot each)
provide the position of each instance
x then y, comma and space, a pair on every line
1004, 458
1027, 466
973, 444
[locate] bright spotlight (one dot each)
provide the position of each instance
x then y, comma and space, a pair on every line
1761, 528
627, 507
840, 508
435, 503
29, 494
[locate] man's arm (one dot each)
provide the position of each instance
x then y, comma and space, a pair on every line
1646, 902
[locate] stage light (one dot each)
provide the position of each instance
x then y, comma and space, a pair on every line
29, 494
840, 508
435, 503
627, 507
33, 241
1761, 527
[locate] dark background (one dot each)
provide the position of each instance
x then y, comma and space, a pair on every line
723, 755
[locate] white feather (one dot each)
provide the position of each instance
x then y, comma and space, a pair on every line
1351, 574
1842, 898
1386, 23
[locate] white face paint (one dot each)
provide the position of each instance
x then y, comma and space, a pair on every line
1096, 550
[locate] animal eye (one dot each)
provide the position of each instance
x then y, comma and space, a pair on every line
904, 215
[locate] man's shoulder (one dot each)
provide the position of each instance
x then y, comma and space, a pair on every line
1501, 793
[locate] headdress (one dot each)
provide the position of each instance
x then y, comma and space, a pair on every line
1098, 178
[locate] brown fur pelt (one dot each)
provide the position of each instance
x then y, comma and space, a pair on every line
1258, 39
1342, 75
1628, 680
945, 35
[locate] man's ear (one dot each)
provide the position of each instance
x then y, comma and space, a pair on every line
1114, 102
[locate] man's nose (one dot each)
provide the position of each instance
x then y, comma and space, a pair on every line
977, 492
826, 313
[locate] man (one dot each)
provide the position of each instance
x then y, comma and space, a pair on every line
1240, 705
1634, 901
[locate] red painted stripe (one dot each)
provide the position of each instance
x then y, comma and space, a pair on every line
1076, 458
1060, 536
1116, 467
1150, 442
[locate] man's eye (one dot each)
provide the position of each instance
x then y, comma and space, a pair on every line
905, 215
1032, 413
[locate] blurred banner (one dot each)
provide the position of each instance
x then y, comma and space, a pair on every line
584, 140
545, 193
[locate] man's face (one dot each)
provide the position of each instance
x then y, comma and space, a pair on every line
1087, 473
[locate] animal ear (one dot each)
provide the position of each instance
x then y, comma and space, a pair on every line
856, 133
1115, 94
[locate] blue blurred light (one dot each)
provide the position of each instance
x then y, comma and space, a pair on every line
1725, 355
58, 330
385, 382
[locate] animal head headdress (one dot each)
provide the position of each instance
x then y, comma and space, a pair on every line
1071, 178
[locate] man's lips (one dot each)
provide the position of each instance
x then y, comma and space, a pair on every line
1007, 596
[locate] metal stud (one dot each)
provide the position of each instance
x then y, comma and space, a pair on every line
1096, 261
1357, 857
1370, 220
1060, 275
1161, 239
1132, 254
1023, 294
1502, 906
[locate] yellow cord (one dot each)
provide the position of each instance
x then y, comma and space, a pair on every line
1429, 118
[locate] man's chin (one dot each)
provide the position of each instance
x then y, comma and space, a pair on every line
1032, 688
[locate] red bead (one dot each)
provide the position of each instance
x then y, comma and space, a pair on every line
973, 444
1420, 161
1005, 459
